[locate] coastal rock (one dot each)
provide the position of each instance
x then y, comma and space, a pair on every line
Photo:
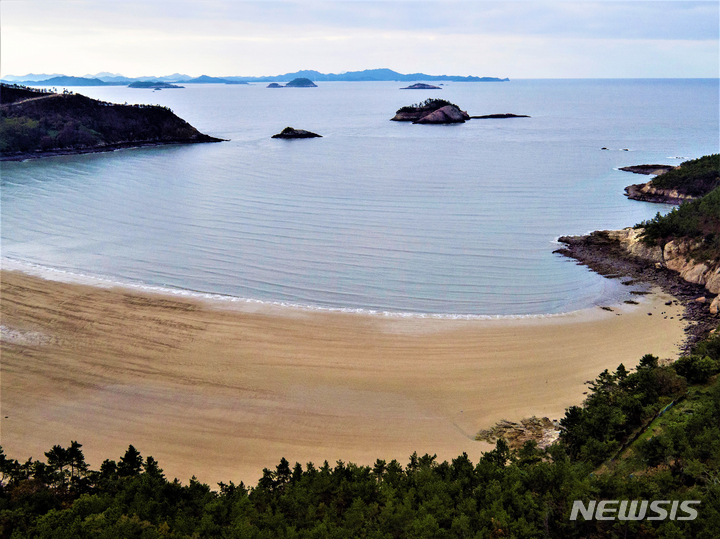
647, 193
449, 114
654, 170
406, 116
629, 238
502, 116
542, 430
715, 306
609, 253
676, 256
290, 132
712, 282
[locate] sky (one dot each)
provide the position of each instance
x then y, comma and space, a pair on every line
515, 39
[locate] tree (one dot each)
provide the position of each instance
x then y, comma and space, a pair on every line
58, 461
131, 464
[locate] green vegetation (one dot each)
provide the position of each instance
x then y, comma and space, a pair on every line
427, 105
524, 493
695, 178
697, 220
73, 122
11, 93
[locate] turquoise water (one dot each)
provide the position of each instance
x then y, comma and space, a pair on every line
376, 215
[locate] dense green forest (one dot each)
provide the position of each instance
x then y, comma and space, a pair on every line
616, 446
695, 178
68, 121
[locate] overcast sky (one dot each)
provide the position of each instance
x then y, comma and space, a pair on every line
516, 39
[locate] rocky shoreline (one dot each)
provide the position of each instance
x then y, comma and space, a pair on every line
649, 170
23, 156
603, 253
646, 192
542, 430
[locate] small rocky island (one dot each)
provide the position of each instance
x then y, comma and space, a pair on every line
439, 111
275, 85
40, 123
290, 132
421, 86
431, 111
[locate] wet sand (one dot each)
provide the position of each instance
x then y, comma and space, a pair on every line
221, 391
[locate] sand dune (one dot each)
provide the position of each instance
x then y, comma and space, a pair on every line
222, 393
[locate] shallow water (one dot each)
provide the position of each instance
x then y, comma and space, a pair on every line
376, 215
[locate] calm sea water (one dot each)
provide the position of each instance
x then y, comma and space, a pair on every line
376, 215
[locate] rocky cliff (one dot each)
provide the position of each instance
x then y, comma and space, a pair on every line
647, 192
675, 256
449, 114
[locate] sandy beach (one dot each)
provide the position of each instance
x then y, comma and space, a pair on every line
221, 392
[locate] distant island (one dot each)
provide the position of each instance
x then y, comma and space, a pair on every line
204, 79
301, 82
291, 132
67, 81
421, 86
367, 75
155, 85
37, 123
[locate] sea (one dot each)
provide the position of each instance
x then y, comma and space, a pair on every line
376, 216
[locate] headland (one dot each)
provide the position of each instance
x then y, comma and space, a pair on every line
41, 124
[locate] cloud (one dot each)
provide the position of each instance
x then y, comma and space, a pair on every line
563, 39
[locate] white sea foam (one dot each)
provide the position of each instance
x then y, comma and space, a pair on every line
72, 277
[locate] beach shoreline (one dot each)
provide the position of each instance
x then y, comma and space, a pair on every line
222, 393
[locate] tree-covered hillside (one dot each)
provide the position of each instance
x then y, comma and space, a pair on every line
695, 178
12, 93
72, 122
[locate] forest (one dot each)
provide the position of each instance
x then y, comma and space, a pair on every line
696, 177
36, 123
